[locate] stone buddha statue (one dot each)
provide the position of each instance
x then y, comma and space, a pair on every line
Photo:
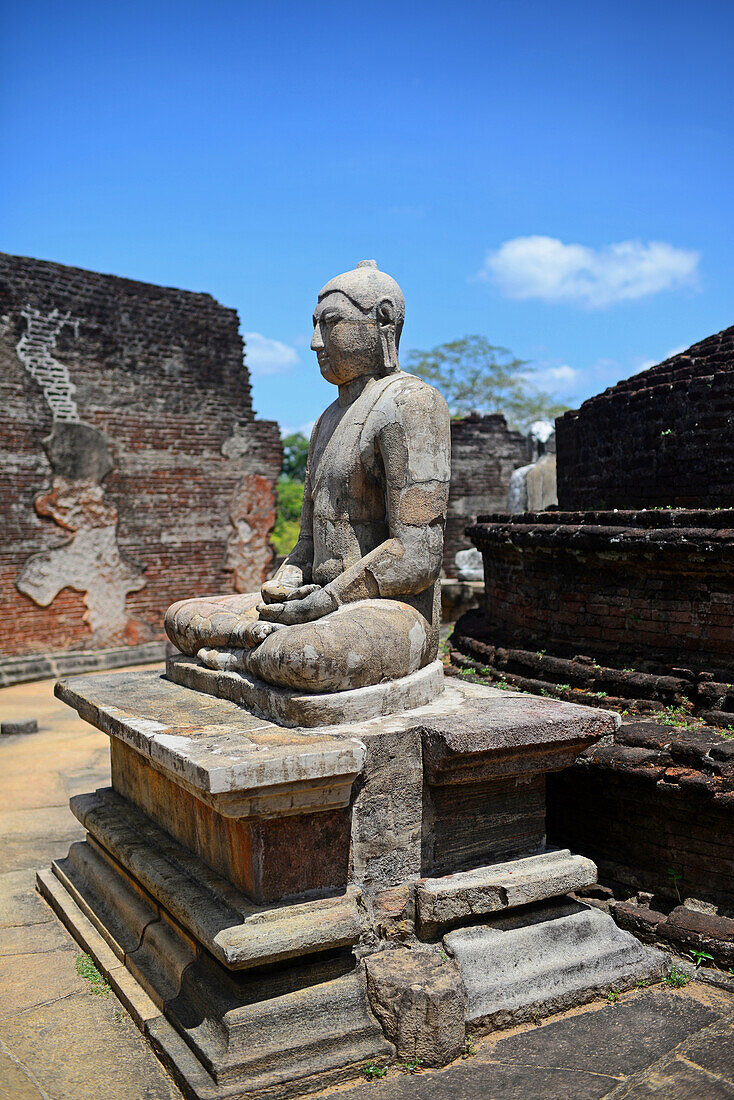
357, 602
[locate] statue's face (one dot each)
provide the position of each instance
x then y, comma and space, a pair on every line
346, 341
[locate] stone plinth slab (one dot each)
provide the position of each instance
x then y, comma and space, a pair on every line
452, 785
235, 761
306, 710
520, 734
272, 1034
544, 960
443, 902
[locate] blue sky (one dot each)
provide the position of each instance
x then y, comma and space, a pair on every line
556, 177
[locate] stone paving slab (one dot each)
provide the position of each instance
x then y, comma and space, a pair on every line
58, 1041
659, 1042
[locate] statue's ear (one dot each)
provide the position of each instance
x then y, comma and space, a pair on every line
386, 312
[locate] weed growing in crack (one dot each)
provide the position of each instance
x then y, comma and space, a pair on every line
677, 978
86, 969
372, 1071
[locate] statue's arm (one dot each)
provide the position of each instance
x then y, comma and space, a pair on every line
415, 448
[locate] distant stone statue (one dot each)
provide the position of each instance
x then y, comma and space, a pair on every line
357, 602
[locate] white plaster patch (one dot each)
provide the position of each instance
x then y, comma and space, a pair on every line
172, 741
34, 350
91, 563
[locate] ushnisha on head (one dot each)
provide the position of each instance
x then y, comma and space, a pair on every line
357, 324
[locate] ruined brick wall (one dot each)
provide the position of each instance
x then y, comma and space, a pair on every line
652, 589
132, 469
654, 810
663, 437
484, 452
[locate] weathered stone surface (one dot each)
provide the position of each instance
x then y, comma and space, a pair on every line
549, 958
243, 794
443, 902
236, 931
357, 601
299, 709
251, 1035
268, 857
239, 763
518, 735
419, 999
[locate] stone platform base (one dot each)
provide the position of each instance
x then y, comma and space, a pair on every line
301, 709
271, 901
273, 1034
253, 1001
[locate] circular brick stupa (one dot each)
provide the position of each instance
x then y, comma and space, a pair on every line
632, 602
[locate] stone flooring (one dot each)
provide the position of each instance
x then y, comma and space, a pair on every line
61, 1040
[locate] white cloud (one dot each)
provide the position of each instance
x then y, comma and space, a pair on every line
545, 268
266, 356
647, 363
555, 377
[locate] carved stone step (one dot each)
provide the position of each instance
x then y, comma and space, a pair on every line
239, 933
445, 902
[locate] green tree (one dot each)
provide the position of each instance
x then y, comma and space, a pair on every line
295, 453
290, 492
288, 518
475, 376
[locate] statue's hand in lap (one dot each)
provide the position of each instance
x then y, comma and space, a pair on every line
303, 605
288, 580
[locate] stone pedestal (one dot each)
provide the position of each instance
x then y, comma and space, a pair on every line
277, 894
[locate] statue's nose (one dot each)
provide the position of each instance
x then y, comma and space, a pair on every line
316, 342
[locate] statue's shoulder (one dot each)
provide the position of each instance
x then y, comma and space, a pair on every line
409, 395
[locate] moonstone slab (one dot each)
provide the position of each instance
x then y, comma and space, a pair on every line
550, 958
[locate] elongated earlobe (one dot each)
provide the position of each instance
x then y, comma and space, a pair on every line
385, 314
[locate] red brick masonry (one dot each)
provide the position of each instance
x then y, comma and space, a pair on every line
649, 591
176, 495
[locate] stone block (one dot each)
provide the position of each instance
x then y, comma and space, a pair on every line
545, 960
418, 997
444, 902
302, 709
512, 735
29, 725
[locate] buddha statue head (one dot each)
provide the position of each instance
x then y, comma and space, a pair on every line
357, 324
